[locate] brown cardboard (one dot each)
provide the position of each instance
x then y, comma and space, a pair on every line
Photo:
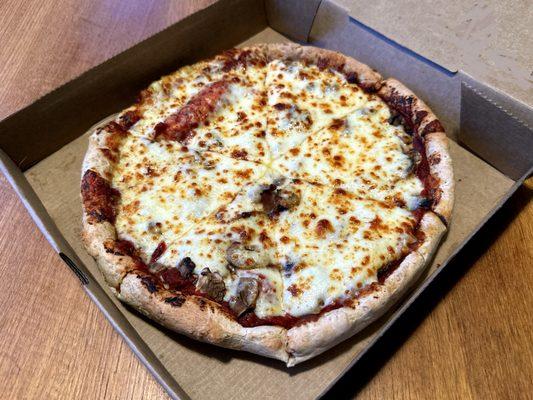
183, 366
484, 133
56, 182
60, 173
489, 40
293, 18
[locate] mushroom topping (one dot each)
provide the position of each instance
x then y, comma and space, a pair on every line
415, 158
246, 296
212, 284
186, 267
155, 228
276, 200
246, 257
287, 199
395, 118
288, 268
423, 202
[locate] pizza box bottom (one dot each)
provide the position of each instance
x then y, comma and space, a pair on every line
208, 372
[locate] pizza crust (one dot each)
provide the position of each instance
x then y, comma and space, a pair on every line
205, 320
113, 266
436, 143
440, 167
308, 340
95, 158
95, 234
401, 98
366, 77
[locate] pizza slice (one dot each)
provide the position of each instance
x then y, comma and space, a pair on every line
232, 256
217, 105
364, 153
235, 249
166, 188
335, 243
304, 98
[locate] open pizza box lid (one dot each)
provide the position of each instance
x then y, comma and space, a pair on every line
42, 147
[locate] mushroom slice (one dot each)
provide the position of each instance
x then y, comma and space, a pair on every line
415, 159
246, 257
246, 296
287, 199
276, 200
186, 267
212, 284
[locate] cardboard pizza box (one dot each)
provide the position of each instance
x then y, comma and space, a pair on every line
42, 147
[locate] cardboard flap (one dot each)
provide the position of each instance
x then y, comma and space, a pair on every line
486, 118
40, 216
489, 40
292, 18
334, 29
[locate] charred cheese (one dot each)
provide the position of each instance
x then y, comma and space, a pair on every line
302, 100
296, 180
361, 153
166, 189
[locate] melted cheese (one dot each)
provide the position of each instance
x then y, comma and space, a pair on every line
360, 153
334, 243
165, 189
207, 246
237, 126
318, 137
302, 100
167, 95
327, 248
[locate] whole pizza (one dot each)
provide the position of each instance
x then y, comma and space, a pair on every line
274, 199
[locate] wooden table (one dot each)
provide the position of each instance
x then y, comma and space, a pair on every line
470, 337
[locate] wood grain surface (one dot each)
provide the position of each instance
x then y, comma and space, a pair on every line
469, 336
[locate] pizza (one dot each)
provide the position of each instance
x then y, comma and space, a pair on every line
274, 199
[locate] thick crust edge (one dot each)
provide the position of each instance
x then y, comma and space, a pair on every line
403, 100
203, 320
427, 125
309, 340
365, 76
96, 234
440, 167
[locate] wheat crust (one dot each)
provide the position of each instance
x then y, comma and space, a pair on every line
401, 98
204, 320
96, 234
366, 77
440, 167
431, 130
309, 340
